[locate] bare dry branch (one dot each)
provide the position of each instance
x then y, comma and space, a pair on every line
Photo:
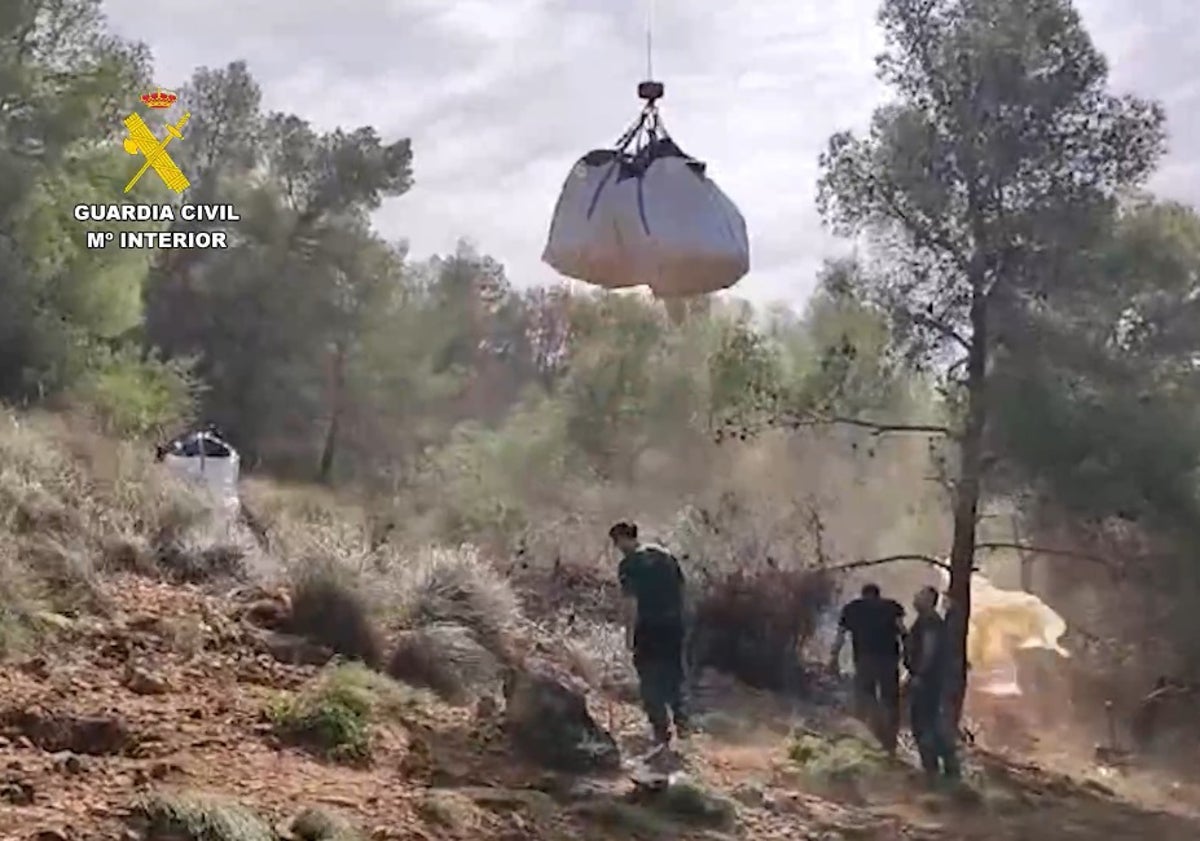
987, 546
993, 546
875, 427
890, 559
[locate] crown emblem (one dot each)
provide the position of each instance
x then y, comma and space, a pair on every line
159, 99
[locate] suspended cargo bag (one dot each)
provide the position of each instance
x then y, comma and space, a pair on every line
585, 232
644, 213
695, 237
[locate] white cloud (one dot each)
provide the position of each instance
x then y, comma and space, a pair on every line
501, 96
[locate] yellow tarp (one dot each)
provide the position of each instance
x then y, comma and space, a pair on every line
1003, 622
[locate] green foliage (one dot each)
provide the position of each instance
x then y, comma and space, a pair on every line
608, 383
846, 362
490, 476
334, 716
837, 759
1097, 407
745, 371
64, 78
336, 728
134, 396
313, 341
1002, 255
983, 189
690, 804
963, 195
277, 322
1108, 421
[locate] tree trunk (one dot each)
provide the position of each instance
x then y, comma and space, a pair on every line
337, 381
328, 451
1025, 557
966, 504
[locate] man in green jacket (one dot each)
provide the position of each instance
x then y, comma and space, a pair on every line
927, 657
653, 585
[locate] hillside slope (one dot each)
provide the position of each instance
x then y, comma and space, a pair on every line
134, 704
168, 695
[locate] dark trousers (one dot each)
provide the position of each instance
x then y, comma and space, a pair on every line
658, 658
877, 696
930, 721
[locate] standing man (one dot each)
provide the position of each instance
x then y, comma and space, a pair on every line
927, 657
652, 584
876, 628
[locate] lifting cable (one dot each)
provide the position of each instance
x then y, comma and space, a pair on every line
649, 40
648, 124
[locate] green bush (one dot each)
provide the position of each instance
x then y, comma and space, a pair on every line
486, 480
136, 396
334, 716
690, 804
836, 759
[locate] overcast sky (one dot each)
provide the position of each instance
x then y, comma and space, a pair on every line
501, 97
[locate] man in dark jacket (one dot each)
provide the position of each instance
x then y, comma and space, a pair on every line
927, 657
653, 585
876, 627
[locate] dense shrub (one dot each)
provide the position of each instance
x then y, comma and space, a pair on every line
754, 625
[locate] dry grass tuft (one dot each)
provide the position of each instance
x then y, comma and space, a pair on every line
73, 504
329, 608
323, 825
190, 816
446, 659
296, 521
441, 586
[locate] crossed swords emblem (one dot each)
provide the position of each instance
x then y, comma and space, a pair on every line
142, 140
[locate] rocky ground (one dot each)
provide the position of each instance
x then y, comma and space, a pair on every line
164, 705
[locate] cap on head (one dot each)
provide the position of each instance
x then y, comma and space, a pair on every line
870, 591
623, 531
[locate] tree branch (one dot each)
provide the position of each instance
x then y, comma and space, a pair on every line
890, 559
876, 428
988, 546
922, 233
735, 428
939, 327
993, 546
